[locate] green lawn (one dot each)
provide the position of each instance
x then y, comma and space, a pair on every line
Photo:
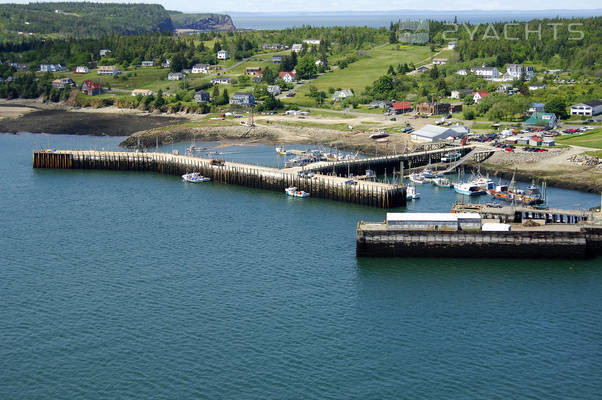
592, 139
153, 78
363, 72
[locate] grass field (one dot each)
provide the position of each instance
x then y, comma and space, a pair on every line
363, 72
592, 139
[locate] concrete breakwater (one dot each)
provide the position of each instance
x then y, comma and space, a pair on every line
374, 194
379, 240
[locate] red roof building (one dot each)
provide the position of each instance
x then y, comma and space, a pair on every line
477, 96
287, 76
401, 107
91, 88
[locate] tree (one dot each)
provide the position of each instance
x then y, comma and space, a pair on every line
382, 86
557, 105
393, 37
306, 68
225, 96
268, 75
159, 101
468, 115
391, 70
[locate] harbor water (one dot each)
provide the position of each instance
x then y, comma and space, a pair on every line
137, 285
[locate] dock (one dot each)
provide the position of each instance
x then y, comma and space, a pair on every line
519, 213
323, 186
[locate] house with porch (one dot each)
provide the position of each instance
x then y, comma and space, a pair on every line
200, 69
175, 76
243, 99
588, 108
222, 55
480, 95
108, 70
82, 69
202, 96
51, 68
221, 80
62, 83
286, 76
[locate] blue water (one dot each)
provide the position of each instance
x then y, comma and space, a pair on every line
377, 19
136, 285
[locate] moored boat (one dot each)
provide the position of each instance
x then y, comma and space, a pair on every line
442, 182
411, 193
195, 177
417, 178
469, 189
505, 193
281, 150
292, 191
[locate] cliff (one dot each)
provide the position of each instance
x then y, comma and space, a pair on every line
202, 22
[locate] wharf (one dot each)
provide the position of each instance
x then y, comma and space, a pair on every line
549, 241
374, 194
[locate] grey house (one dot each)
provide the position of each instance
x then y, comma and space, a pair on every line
202, 97
243, 99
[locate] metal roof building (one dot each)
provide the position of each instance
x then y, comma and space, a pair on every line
432, 133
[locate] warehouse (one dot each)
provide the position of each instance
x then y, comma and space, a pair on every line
432, 133
434, 221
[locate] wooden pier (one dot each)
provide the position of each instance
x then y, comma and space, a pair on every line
374, 194
390, 164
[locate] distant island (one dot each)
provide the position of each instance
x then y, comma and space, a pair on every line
94, 20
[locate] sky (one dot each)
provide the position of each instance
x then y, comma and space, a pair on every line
354, 5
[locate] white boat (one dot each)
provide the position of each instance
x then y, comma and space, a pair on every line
469, 189
442, 182
428, 173
417, 178
195, 177
281, 150
379, 134
411, 193
292, 191
484, 183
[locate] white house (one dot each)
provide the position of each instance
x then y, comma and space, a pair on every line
486, 72
274, 90
104, 52
478, 96
222, 55
143, 92
452, 45
51, 68
147, 63
342, 94
514, 71
224, 80
462, 72
175, 76
312, 41
460, 93
537, 86
288, 77
589, 108
243, 99
108, 70
537, 107
439, 61
82, 69
432, 133
297, 47
200, 68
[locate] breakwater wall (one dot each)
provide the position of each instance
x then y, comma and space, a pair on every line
375, 240
374, 194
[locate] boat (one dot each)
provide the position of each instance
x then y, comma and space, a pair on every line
292, 191
379, 134
195, 177
281, 150
428, 173
411, 193
449, 157
506, 193
484, 183
417, 178
469, 189
442, 182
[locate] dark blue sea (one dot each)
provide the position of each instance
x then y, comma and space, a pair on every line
125, 285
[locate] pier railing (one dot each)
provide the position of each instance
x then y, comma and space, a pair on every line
374, 194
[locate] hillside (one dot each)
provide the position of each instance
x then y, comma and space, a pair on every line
82, 19
202, 22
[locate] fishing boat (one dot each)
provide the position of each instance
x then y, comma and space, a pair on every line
469, 189
484, 183
428, 173
509, 194
453, 156
411, 193
292, 191
442, 182
417, 178
195, 177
